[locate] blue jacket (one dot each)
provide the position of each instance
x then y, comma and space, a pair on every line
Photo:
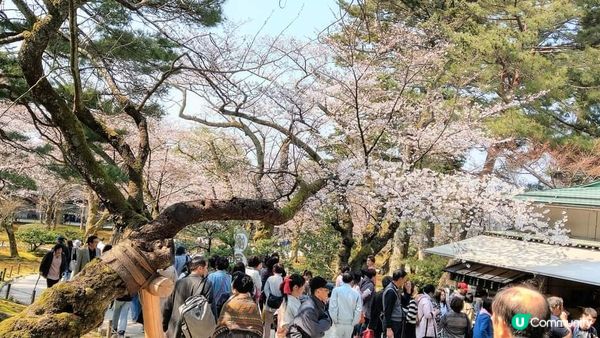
483, 325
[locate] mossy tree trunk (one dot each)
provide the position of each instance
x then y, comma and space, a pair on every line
7, 224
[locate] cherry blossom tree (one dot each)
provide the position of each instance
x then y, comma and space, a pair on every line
374, 121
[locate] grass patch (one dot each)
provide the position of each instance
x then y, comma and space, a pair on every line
28, 263
9, 309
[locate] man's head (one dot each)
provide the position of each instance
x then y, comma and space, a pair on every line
222, 263
198, 266
399, 278
518, 300
254, 262
457, 303
318, 288
345, 269
556, 305
588, 318
429, 290
60, 240
347, 277
370, 273
463, 288
92, 242
386, 281
371, 261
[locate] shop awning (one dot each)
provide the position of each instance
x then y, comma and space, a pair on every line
485, 276
574, 264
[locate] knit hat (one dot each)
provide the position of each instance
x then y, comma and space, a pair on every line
317, 283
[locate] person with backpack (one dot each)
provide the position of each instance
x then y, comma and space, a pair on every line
367, 293
345, 307
312, 319
393, 316
194, 284
220, 281
376, 323
426, 313
292, 289
455, 324
273, 298
240, 317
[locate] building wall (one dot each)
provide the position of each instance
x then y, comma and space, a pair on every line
584, 223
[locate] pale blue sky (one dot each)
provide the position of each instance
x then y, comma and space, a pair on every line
307, 17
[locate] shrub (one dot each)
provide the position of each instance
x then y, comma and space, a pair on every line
35, 236
72, 234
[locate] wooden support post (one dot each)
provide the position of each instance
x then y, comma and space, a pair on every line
109, 330
10, 272
4, 274
160, 286
18, 269
152, 315
7, 290
32, 297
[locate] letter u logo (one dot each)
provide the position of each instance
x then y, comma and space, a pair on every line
520, 321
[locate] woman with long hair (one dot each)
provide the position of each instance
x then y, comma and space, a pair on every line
292, 289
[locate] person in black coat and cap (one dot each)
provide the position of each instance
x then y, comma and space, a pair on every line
312, 319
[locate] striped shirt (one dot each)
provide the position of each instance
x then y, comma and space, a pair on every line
411, 312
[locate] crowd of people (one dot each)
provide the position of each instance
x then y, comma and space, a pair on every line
259, 298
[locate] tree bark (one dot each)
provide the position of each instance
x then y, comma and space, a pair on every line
400, 246
373, 241
345, 227
426, 240
10, 232
263, 231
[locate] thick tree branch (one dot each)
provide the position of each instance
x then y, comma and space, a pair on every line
77, 148
295, 139
180, 215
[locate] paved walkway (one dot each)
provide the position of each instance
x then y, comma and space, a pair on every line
21, 289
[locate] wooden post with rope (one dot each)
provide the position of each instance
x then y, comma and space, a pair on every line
139, 277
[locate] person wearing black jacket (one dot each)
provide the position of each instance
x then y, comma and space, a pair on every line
393, 315
53, 265
375, 323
